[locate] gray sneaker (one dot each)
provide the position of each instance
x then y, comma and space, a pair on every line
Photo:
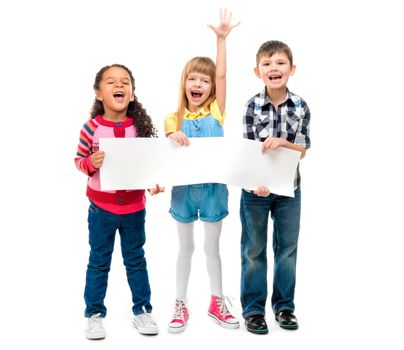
95, 329
145, 324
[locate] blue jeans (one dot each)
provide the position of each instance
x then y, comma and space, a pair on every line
102, 227
254, 213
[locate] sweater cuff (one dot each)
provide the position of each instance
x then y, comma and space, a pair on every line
91, 169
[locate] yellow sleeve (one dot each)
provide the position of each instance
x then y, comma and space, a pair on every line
170, 123
215, 112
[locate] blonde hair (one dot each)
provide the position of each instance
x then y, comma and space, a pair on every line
203, 65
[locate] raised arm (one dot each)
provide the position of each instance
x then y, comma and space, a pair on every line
221, 31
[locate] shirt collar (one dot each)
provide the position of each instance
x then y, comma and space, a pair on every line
126, 123
264, 98
203, 112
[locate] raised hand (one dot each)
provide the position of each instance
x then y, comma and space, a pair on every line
225, 26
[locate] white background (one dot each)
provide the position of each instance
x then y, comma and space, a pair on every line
349, 57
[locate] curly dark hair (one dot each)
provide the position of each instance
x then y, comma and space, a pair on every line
141, 120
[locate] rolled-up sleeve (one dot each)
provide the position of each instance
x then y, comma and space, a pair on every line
303, 130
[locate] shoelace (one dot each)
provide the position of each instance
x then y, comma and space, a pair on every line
179, 310
224, 311
146, 318
95, 322
96, 317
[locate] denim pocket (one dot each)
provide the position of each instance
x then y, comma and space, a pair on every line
93, 208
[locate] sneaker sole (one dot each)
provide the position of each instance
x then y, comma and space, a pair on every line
176, 330
225, 324
145, 331
94, 337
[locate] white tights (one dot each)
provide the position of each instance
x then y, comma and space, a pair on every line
186, 249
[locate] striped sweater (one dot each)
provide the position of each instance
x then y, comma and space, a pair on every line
117, 202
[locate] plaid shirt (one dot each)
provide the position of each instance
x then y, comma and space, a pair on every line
291, 121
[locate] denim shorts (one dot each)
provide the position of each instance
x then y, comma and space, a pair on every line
207, 202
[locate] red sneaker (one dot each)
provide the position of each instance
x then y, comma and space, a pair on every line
180, 317
219, 311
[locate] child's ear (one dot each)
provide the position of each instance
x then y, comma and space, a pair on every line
292, 70
257, 72
132, 97
98, 96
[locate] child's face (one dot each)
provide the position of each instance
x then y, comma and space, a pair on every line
197, 89
115, 91
275, 70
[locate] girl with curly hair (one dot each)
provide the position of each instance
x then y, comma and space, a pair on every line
116, 112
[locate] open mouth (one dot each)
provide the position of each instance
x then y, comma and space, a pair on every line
118, 96
275, 77
196, 94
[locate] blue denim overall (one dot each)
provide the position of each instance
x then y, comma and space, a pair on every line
207, 201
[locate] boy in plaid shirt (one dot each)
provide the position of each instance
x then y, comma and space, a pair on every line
278, 118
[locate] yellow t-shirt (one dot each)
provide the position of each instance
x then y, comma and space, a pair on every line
170, 123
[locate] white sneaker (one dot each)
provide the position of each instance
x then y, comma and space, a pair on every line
95, 329
145, 324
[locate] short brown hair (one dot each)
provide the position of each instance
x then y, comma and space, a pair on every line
271, 47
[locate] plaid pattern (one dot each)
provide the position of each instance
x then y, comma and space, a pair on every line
291, 121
